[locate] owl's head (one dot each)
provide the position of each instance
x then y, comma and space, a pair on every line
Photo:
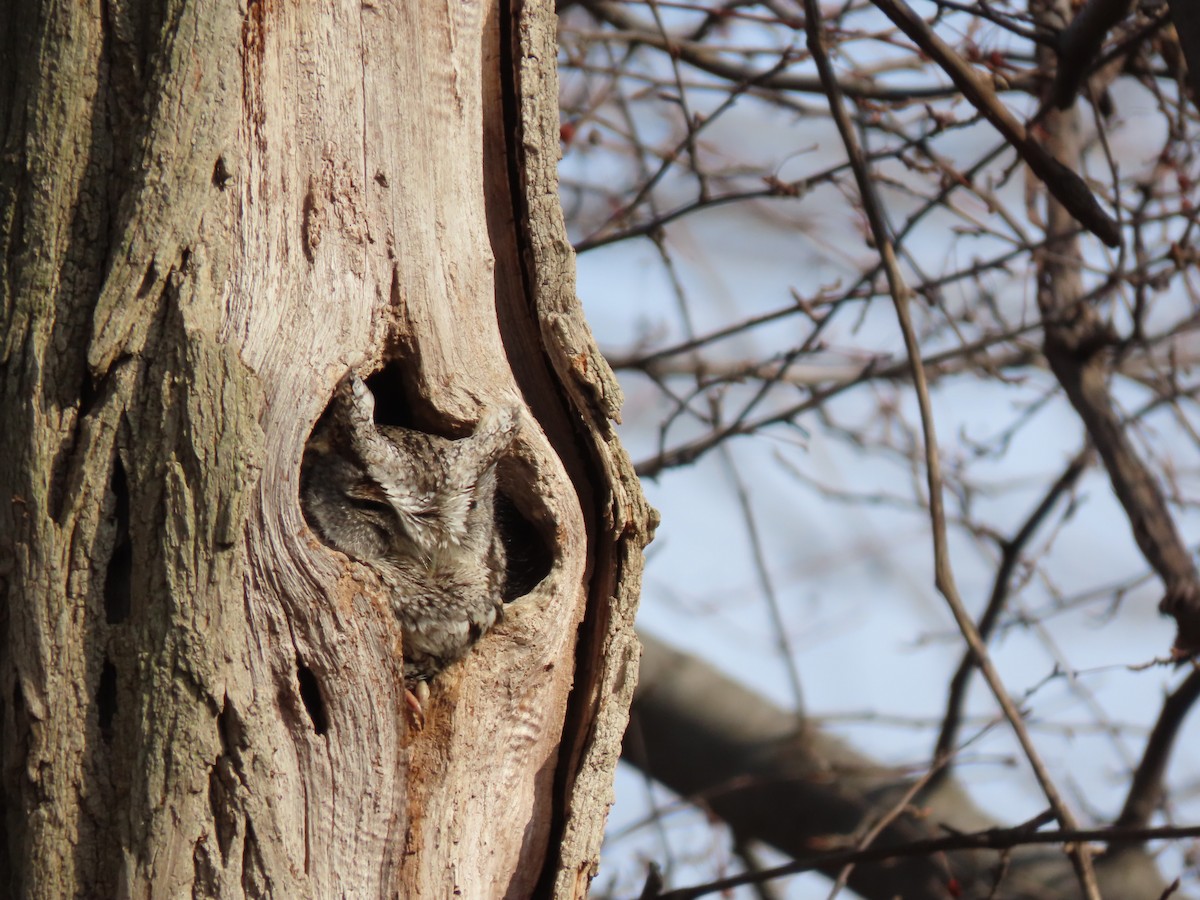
380, 492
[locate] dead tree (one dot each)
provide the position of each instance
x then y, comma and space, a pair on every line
210, 212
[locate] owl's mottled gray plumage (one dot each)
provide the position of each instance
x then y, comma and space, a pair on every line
418, 509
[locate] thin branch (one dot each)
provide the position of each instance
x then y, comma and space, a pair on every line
884, 821
765, 582
1187, 26
1004, 20
1010, 555
872, 371
762, 888
1076, 343
692, 128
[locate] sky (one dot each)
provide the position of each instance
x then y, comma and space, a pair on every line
847, 550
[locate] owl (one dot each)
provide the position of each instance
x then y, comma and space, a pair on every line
419, 510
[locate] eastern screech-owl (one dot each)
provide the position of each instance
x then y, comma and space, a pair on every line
419, 510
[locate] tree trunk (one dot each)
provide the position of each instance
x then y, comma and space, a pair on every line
209, 214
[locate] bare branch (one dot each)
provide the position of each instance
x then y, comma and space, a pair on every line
804, 792
1146, 789
1067, 187
943, 573
1011, 551
1079, 43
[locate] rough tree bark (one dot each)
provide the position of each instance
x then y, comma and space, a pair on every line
208, 213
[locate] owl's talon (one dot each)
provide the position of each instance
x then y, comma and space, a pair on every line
415, 701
